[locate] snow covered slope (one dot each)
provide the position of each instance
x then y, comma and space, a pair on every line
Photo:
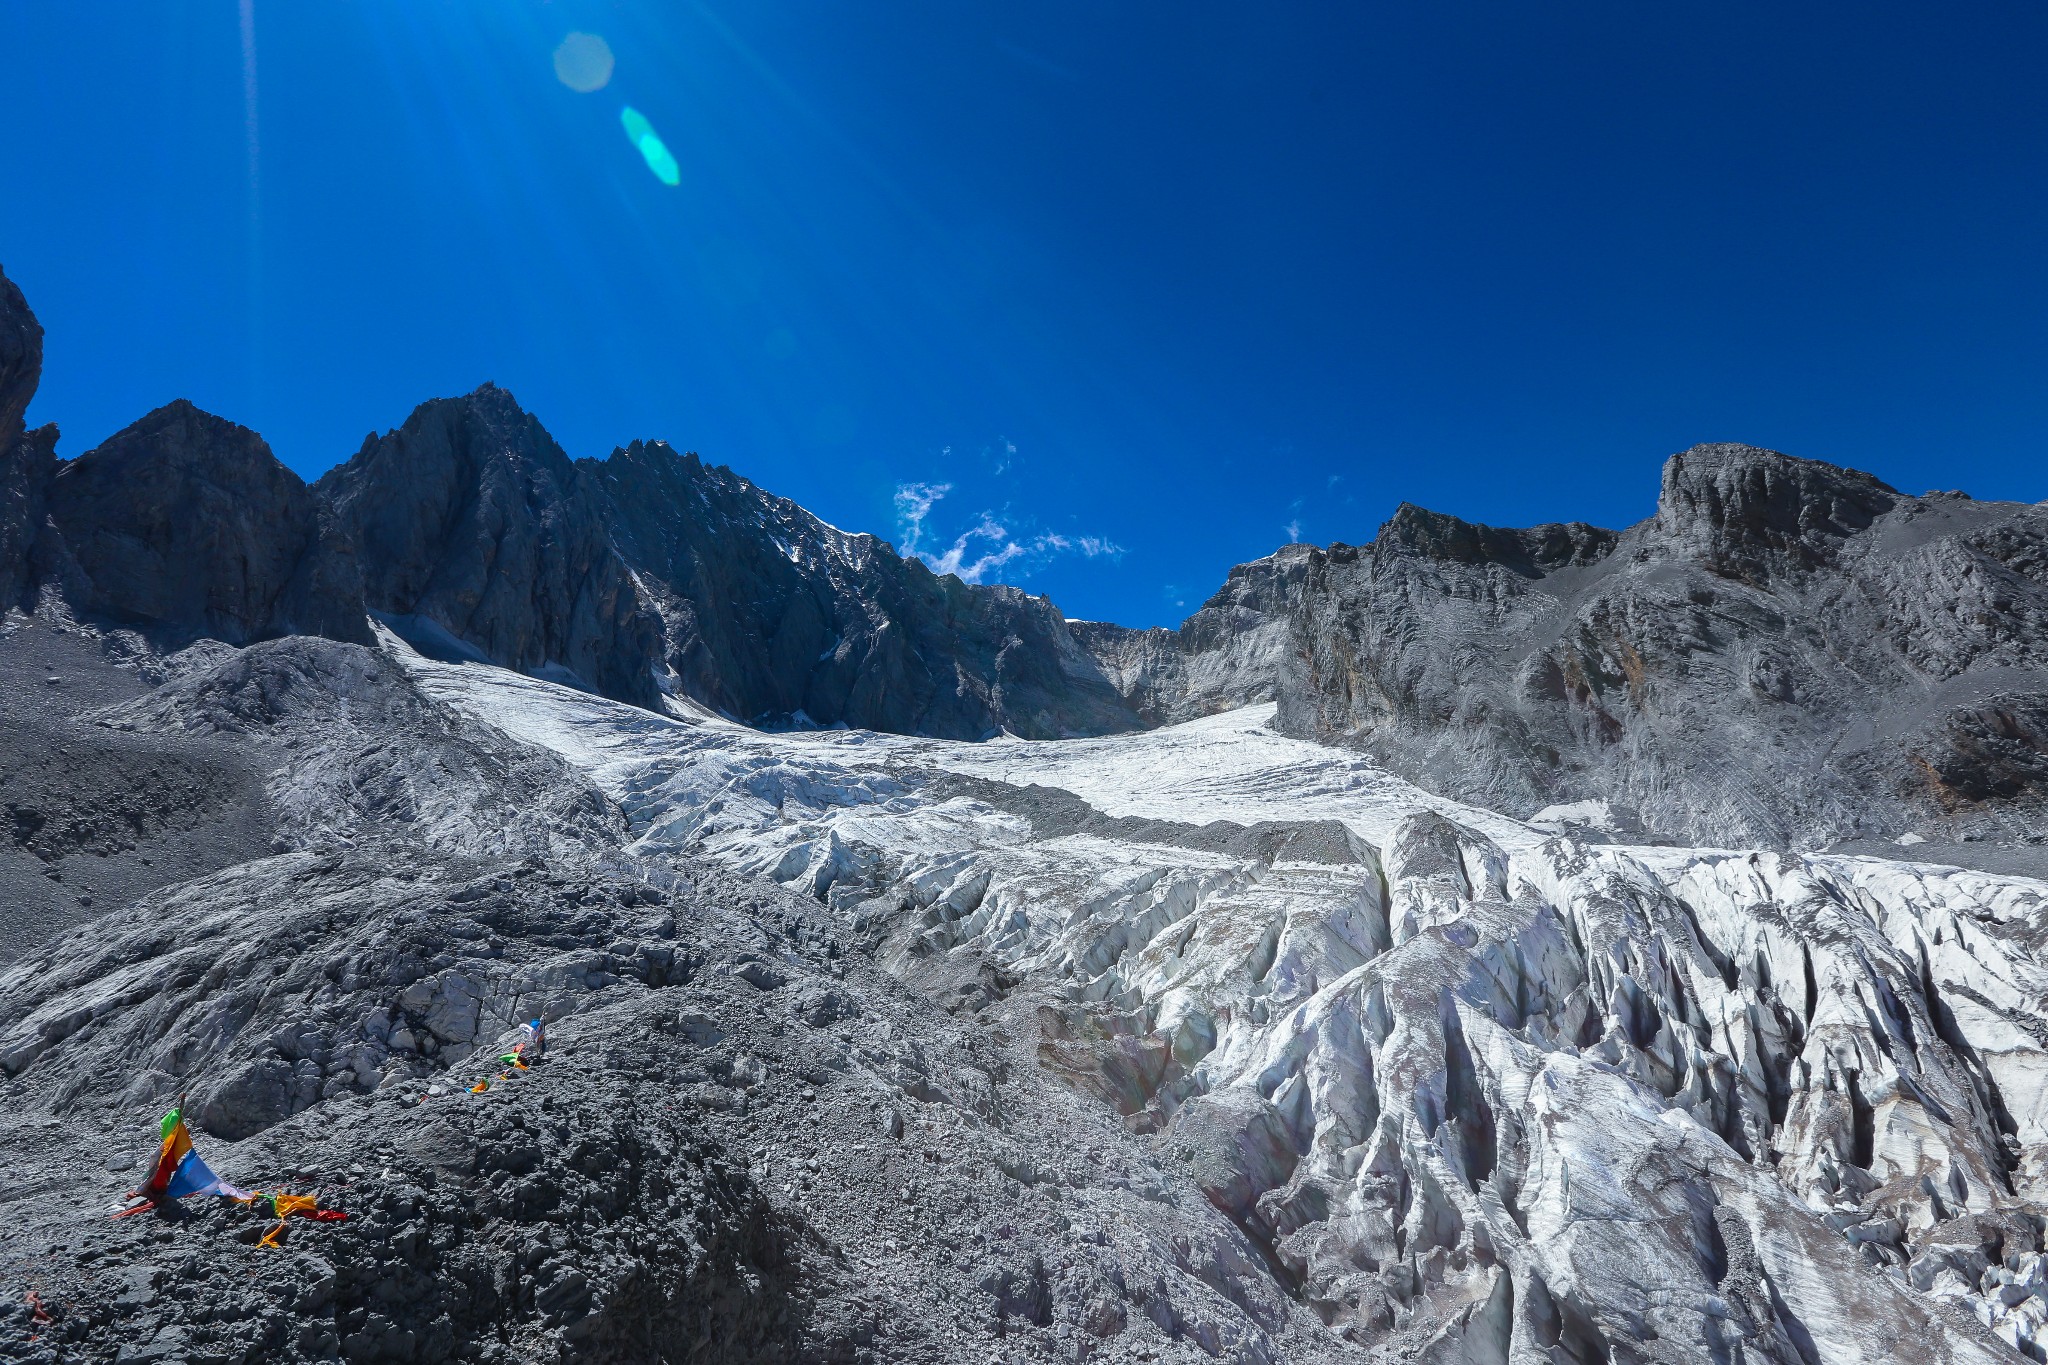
1479, 1091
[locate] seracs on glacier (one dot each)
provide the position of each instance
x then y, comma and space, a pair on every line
1477, 1088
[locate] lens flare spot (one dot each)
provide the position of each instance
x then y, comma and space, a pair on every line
584, 62
652, 150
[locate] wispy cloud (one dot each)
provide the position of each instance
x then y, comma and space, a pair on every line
986, 546
914, 502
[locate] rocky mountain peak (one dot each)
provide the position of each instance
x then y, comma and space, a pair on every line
1739, 508
1417, 531
656, 452
188, 521
473, 526
449, 445
181, 436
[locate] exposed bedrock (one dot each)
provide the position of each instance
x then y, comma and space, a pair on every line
651, 575
1227, 654
188, 523
21, 357
1786, 655
769, 614
1741, 511
26, 461
470, 519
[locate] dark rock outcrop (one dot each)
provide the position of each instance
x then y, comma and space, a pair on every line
1742, 512
21, 356
653, 573
182, 524
773, 616
470, 518
27, 464
187, 521
1423, 534
26, 461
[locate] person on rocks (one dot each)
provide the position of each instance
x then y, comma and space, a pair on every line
531, 1046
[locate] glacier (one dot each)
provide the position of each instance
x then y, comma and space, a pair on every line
1473, 1086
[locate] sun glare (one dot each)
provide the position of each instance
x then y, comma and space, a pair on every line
584, 62
651, 146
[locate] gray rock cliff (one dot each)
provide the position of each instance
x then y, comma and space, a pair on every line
652, 573
21, 356
1227, 654
469, 518
26, 461
771, 615
1786, 654
187, 521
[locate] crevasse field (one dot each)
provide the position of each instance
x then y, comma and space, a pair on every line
1687, 1085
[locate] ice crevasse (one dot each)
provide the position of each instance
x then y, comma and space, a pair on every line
1508, 1094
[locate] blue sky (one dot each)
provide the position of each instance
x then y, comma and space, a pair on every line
1147, 288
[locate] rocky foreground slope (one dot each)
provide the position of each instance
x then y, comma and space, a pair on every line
748, 1142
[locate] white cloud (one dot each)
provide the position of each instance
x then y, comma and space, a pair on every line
1293, 530
914, 502
987, 545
